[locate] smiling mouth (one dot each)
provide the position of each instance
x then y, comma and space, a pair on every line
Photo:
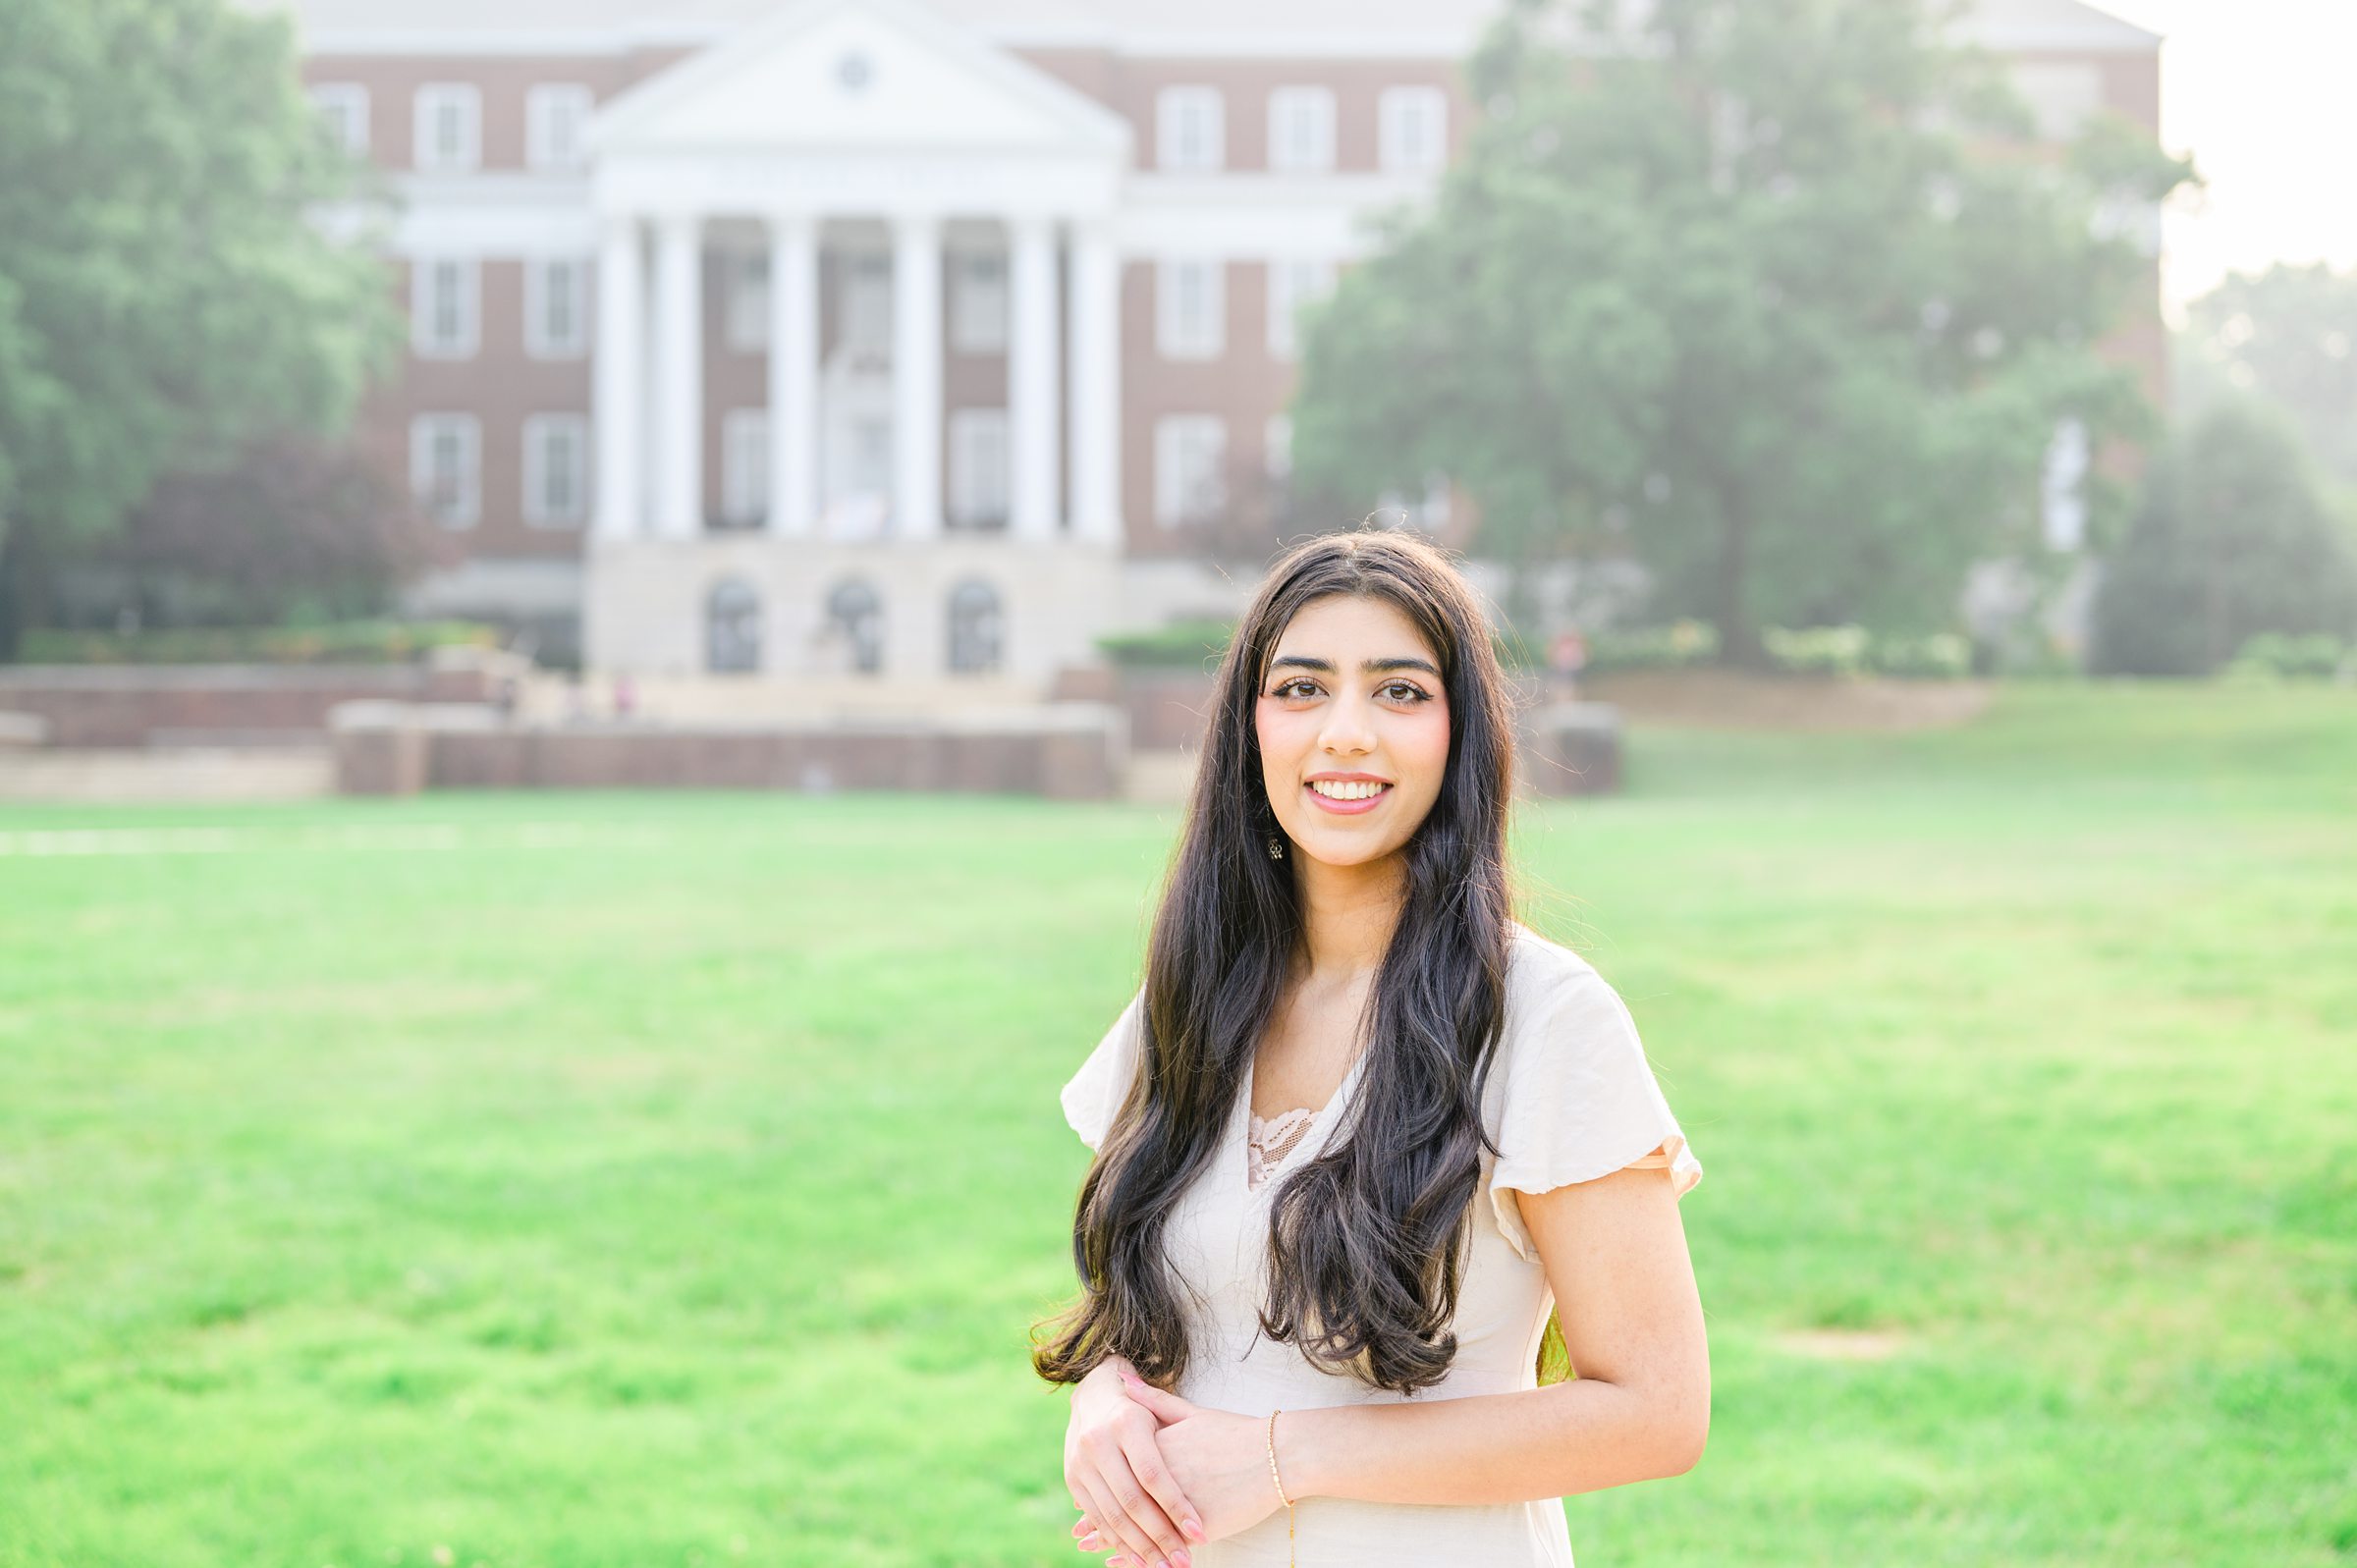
1346, 790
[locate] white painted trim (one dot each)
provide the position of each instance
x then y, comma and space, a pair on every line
979, 448
543, 102
352, 97
1318, 102
1172, 434
678, 378
1392, 107
620, 376
1276, 446
537, 428
468, 273
424, 155
1093, 127
745, 477
1173, 337
1242, 216
916, 378
1171, 105
538, 342
943, 184
469, 429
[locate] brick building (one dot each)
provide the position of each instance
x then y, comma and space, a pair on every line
1020, 274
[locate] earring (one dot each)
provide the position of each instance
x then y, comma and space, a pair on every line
1275, 848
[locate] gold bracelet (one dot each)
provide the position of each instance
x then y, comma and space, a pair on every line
1280, 1496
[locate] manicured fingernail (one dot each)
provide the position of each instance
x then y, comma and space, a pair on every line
1194, 1529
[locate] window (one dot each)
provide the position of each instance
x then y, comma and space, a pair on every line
731, 627
1301, 130
1292, 285
554, 114
1414, 129
344, 105
856, 627
745, 467
449, 127
976, 627
446, 467
1276, 446
747, 301
978, 467
445, 295
556, 307
1190, 459
1191, 308
556, 469
979, 303
1190, 135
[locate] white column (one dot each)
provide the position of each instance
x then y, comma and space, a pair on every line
916, 376
679, 385
621, 374
792, 374
1096, 381
1031, 391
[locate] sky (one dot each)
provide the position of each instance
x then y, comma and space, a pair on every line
2259, 93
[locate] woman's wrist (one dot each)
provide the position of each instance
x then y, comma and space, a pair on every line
1304, 1446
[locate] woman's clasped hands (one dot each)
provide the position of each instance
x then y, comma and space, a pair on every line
1153, 1474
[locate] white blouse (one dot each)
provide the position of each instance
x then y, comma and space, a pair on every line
1570, 1098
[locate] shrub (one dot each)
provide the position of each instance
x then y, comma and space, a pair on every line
1817, 650
1195, 644
338, 642
1939, 656
2317, 656
1668, 646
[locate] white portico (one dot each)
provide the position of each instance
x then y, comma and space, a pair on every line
864, 143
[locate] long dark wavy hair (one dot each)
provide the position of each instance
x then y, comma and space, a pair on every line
1367, 1241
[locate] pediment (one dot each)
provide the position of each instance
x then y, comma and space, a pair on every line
856, 76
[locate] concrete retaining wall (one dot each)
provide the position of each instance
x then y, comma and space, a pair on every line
96, 706
1068, 751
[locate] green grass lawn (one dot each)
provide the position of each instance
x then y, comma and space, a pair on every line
671, 1179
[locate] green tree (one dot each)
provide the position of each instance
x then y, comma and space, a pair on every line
1781, 296
2231, 538
2288, 335
167, 288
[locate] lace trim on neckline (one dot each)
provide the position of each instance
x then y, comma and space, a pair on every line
1268, 1142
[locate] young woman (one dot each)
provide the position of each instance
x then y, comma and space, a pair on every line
1360, 1132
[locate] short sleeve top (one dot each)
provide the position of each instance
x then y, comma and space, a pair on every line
1570, 1098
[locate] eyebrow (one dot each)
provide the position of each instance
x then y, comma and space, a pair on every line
1372, 667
